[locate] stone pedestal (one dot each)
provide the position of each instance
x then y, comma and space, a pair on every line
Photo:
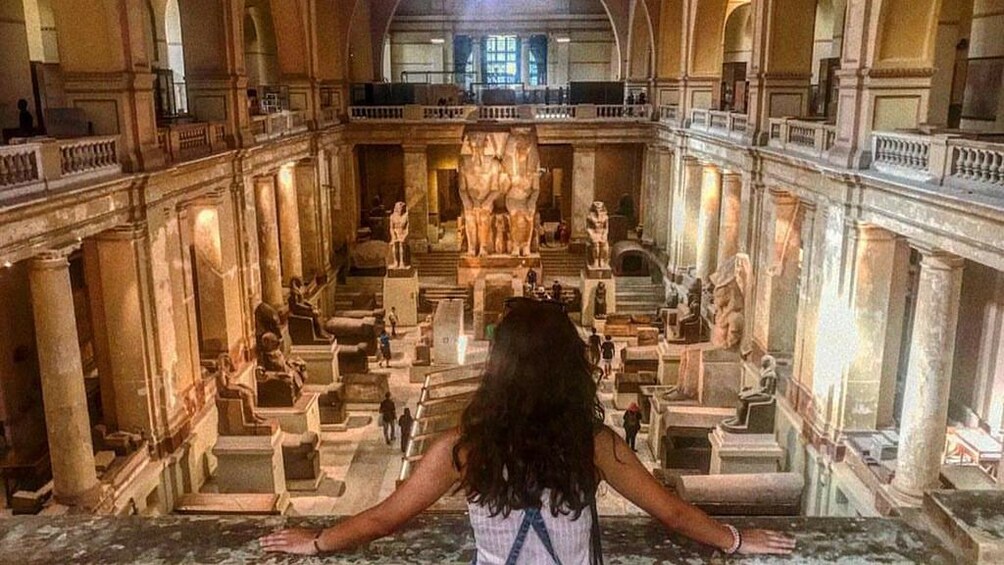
302, 417
627, 387
733, 454
400, 291
250, 464
321, 360
470, 268
490, 294
588, 281
669, 363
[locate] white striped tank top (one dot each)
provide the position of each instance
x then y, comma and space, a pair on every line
494, 536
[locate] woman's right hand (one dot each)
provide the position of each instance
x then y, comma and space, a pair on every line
766, 541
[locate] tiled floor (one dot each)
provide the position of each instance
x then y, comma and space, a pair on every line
369, 467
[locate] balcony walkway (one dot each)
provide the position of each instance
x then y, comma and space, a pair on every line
432, 538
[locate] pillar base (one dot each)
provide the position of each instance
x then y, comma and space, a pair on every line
903, 499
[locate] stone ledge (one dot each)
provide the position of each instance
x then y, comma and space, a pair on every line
432, 538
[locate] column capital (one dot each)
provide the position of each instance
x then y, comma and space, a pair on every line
124, 232
211, 199
52, 259
937, 259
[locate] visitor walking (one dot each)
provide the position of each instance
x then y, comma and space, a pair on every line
528, 459
392, 318
405, 422
384, 340
632, 424
594, 348
608, 348
388, 418
556, 291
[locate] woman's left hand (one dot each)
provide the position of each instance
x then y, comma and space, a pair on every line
299, 541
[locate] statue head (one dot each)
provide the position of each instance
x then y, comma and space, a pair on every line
598, 210
270, 342
400, 208
768, 364
296, 282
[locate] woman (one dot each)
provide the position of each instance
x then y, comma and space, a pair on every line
530, 452
632, 425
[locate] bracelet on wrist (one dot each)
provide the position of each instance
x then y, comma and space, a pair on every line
737, 540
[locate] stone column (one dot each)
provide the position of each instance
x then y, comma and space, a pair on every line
777, 274
291, 250
928, 378
649, 195
308, 205
686, 214
664, 196
67, 423
732, 209
707, 228
268, 241
416, 193
583, 188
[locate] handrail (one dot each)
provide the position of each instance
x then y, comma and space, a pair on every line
941, 159
46, 164
812, 138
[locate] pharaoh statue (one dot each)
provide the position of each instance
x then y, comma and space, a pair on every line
280, 379
501, 231
598, 227
300, 306
600, 301
227, 388
755, 414
521, 186
399, 234
480, 186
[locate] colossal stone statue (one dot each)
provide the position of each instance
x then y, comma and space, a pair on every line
500, 224
598, 228
399, 234
480, 185
521, 185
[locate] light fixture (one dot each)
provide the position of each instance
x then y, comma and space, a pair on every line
563, 39
437, 41
7, 264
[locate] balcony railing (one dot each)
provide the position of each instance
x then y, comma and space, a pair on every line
942, 159
523, 112
724, 124
669, 113
48, 164
800, 136
278, 124
183, 142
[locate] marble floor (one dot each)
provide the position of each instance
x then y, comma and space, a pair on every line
369, 468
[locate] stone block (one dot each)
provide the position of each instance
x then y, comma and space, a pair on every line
304, 416
321, 360
250, 464
216, 504
448, 329
401, 293
733, 454
352, 359
302, 461
368, 388
648, 337
771, 494
627, 387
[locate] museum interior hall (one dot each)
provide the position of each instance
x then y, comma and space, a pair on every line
230, 230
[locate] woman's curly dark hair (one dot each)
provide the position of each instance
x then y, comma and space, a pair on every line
530, 426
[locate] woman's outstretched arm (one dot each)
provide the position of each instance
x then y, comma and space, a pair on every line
433, 477
622, 469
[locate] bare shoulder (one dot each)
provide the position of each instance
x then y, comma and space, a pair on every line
605, 444
441, 450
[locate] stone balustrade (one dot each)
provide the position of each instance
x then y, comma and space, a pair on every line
811, 138
48, 164
941, 159
376, 113
669, 113
440, 537
732, 125
183, 142
278, 124
329, 115
498, 112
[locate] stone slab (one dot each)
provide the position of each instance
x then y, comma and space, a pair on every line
470, 268
442, 538
219, 504
250, 464
974, 520
302, 417
448, 329
669, 362
367, 388
401, 293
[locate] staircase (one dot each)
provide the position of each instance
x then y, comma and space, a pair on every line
639, 295
355, 285
561, 263
437, 263
429, 296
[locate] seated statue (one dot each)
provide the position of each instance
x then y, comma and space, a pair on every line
689, 327
245, 421
600, 301
755, 414
301, 307
266, 320
280, 380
